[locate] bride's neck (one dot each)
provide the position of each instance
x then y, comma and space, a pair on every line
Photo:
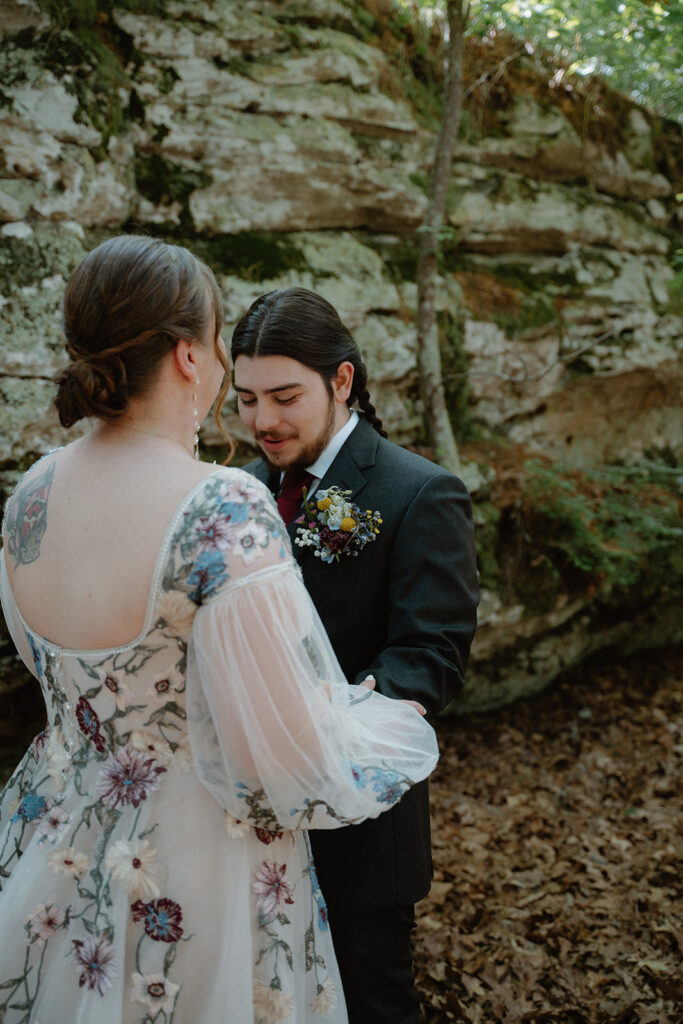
128, 431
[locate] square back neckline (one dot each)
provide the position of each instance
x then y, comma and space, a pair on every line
162, 553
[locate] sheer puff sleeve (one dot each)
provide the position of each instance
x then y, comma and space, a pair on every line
278, 736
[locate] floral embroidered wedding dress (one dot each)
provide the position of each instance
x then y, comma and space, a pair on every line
154, 859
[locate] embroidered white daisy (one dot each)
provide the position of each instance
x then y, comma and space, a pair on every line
120, 692
157, 747
43, 921
250, 540
53, 823
271, 1005
154, 991
182, 755
234, 828
58, 759
165, 687
326, 999
178, 612
68, 862
136, 867
153, 744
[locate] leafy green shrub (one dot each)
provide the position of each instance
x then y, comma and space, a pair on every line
617, 526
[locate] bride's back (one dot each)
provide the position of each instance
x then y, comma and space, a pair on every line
83, 533
84, 528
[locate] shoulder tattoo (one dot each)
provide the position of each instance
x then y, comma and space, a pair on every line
27, 517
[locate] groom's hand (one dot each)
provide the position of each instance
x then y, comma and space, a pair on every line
370, 682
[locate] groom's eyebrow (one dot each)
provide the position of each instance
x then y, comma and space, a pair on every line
269, 391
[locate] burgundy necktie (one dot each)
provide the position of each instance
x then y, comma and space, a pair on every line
289, 499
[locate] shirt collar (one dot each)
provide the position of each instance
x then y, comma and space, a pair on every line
324, 461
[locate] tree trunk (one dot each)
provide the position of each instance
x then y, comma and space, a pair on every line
439, 430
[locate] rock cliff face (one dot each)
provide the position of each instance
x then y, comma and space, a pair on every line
290, 143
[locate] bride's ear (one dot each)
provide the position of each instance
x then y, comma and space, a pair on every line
184, 360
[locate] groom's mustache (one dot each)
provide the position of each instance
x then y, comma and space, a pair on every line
260, 435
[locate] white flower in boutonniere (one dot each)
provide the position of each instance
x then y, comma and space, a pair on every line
333, 526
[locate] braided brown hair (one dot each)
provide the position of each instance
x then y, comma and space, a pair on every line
126, 305
302, 325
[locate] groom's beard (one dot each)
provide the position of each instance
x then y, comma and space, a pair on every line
307, 455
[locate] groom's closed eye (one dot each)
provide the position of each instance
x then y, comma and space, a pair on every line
246, 400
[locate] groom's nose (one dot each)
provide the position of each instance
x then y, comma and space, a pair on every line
267, 417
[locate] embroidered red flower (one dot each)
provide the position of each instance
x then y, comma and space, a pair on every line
272, 887
40, 742
89, 723
128, 778
266, 836
112, 684
93, 957
162, 918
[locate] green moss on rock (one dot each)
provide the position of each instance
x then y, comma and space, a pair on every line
48, 251
399, 255
536, 311
252, 255
88, 51
164, 182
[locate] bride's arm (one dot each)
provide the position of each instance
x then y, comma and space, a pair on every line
279, 737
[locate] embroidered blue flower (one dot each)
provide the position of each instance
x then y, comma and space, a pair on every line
358, 776
36, 652
388, 786
208, 573
319, 898
236, 512
31, 807
89, 723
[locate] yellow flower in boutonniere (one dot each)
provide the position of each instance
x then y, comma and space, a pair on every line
333, 526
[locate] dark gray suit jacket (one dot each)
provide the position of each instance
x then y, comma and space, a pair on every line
405, 611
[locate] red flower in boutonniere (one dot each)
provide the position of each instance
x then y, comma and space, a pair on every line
334, 526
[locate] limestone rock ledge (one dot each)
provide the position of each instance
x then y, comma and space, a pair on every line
283, 142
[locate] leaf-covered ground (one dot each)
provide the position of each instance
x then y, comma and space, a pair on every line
558, 839
558, 842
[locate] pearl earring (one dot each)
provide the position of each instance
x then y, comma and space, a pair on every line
195, 418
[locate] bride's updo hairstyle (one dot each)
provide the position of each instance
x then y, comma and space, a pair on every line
126, 306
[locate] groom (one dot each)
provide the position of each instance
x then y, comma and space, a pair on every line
402, 610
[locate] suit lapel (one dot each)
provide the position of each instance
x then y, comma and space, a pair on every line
356, 457
271, 478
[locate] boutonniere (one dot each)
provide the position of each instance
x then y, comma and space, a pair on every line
334, 526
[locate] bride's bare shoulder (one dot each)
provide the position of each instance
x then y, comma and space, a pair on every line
28, 500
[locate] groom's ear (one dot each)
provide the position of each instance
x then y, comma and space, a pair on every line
343, 382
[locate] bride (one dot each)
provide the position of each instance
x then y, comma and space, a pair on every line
154, 857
